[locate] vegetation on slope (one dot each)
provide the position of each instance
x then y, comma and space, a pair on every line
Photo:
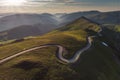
43, 61
81, 23
111, 35
117, 28
95, 64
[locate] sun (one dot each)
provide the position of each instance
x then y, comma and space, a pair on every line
13, 2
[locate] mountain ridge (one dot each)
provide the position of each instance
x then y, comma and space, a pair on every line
93, 15
15, 20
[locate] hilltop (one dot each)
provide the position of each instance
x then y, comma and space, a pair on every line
83, 24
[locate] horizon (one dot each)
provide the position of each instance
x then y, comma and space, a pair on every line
55, 13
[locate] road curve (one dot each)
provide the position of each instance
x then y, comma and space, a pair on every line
77, 54
59, 52
23, 52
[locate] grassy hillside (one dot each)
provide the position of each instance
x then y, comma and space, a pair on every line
111, 35
43, 61
81, 23
117, 28
97, 63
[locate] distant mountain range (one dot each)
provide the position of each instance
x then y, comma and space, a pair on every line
26, 30
59, 19
15, 26
16, 20
100, 17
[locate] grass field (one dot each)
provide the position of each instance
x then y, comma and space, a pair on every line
97, 63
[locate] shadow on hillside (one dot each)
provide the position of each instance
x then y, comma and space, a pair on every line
28, 65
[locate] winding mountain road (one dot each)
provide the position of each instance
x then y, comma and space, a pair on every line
59, 52
20, 53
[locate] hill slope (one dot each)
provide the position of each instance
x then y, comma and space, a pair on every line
83, 24
97, 63
107, 18
16, 20
111, 35
26, 31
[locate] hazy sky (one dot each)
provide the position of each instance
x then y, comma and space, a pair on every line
57, 6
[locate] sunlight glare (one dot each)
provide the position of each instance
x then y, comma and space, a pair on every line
13, 2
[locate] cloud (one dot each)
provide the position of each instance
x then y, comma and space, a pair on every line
59, 2
48, 3
53, 1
